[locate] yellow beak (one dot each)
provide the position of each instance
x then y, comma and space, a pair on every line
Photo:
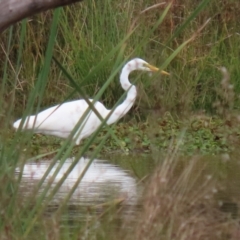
165, 73
155, 69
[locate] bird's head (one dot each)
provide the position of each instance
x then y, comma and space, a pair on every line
140, 64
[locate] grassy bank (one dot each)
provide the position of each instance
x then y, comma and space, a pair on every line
195, 110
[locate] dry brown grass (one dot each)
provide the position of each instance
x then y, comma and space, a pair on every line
180, 203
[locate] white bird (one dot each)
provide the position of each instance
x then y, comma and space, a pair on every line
60, 120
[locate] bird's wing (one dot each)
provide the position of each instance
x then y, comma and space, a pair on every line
61, 117
64, 117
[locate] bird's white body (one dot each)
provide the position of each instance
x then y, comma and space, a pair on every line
60, 120
53, 122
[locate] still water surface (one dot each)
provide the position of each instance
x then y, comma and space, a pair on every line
120, 176
103, 181
123, 178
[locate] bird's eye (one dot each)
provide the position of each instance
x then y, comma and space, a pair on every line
145, 65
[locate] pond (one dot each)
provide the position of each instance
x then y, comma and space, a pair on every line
102, 181
119, 195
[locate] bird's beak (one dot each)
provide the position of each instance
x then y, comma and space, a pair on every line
165, 73
155, 69
152, 68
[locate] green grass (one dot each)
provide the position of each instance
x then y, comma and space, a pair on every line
85, 38
90, 42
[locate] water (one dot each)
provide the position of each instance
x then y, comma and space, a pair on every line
119, 177
106, 195
149, 191
102, 181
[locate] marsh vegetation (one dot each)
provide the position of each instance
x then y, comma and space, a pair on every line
185, 128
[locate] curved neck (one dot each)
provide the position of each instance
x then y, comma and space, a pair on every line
124, 77
126, 105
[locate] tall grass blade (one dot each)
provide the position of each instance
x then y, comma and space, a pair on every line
186, 23
40, 86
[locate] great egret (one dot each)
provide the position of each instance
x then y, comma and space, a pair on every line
61, 119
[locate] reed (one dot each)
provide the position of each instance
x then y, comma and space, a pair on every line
90, 42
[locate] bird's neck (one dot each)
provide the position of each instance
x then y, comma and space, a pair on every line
124, 78
126, 105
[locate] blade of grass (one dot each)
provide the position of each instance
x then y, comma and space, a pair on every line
195, 13
175, 53
42, 79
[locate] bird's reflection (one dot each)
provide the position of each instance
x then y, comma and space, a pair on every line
102, 181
